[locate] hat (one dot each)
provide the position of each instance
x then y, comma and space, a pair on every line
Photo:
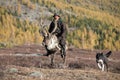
56, 15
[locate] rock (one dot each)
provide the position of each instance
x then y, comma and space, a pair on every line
36, 74
13, 70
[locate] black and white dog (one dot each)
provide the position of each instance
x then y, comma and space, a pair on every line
102, 60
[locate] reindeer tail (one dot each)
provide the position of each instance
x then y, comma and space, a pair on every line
108, 54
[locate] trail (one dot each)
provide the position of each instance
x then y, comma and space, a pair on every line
40, 54
23, 55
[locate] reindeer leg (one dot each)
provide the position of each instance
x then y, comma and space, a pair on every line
52, 58
57, 46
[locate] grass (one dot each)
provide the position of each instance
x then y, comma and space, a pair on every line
61, 74
80, 65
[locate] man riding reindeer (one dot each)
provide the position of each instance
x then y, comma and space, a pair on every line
59, 29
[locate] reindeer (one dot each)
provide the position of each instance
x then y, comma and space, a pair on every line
51, 44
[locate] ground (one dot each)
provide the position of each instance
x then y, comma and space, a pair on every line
23, 63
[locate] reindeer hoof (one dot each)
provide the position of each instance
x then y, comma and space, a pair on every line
46, 54
51, 64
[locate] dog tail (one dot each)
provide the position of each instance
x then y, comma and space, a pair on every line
108, 54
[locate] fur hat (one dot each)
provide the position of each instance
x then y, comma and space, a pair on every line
56, 15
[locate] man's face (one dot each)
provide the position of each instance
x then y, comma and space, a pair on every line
56, 17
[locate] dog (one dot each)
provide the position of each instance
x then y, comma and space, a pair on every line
102, 60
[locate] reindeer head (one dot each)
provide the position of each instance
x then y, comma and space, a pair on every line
49, 41
44, 33
45, 36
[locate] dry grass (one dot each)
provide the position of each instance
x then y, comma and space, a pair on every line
59, 74
80, 65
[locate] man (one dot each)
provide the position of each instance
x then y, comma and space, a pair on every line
59, 29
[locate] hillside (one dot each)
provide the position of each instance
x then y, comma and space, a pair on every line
95, 24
